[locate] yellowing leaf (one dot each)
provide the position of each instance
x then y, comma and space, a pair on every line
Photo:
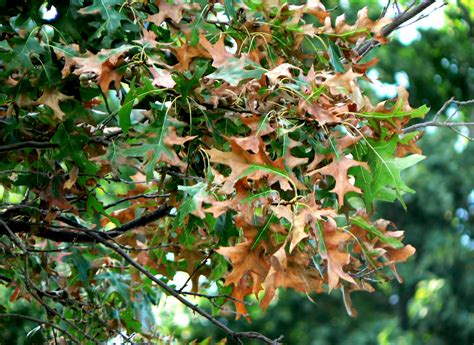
72, 178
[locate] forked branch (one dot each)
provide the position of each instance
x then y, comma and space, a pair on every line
410, 13
446, 123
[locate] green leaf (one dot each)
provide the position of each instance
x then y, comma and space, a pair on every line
397, 112
335, 57
256, 167
225, 228
230, 9
80, 263
106, 9
126, 109
237, 70
191, 202
134, 96
384, 182
151, 145
263, 231
72, 146
4, 46
185, 84
252, 197
362, 223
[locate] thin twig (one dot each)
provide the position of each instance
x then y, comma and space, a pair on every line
50, 310
385, 9
213, 297
133, 197
14, 237
436, 123
235, 335
27, 145
423, 16
196, 269
422, 125
40, 145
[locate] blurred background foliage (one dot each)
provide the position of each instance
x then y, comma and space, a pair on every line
435, 305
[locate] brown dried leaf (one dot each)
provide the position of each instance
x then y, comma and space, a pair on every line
217, 50
339, 170
52, 98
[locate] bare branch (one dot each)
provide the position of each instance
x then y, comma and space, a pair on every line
423, 16
50, 310
14, 237
213, 297
134, 197
49, 145
436, 123
423, 125
385, 9
196, 269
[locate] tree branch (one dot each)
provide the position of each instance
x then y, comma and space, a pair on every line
235, 335
82, 235
433, 123
27, 145
48, 145
436, 123
365, 47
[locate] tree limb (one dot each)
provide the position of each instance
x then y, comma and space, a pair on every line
82, 235
365, 47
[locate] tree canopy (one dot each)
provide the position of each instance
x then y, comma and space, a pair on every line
227, 140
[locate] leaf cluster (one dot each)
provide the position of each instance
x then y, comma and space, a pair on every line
228, 140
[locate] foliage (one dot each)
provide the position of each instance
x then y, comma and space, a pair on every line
230, 141
435, 303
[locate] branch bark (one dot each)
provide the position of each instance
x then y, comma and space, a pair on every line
394, 25
80, 235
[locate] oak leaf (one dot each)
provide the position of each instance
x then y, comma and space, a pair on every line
334, 241
52, 98
219, 53
162, 77
253, 166
172, 11
246, 260
282, 70
338, 169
